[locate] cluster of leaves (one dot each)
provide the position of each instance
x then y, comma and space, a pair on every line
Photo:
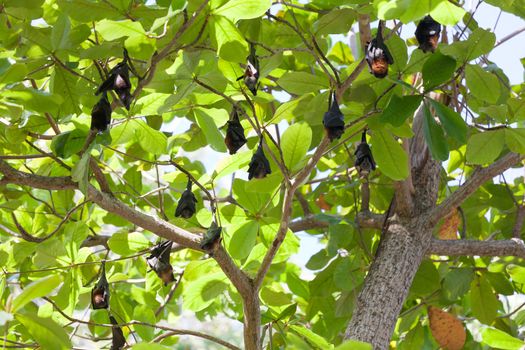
52, 56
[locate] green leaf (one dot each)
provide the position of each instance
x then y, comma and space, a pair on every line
515, 140
426, 279
231, 164
65, 84
389, 155
286, 111
479, 42
124, 243
243, 240
500, 340
80, 172
354, 345
45, 331
435, 137
275, 297
437, 70
295, 142
517, 273
415, 10
447, 13
311, 337
14, 73
209, 120
457, 282
201, 293
484, 302
454, 125
34, 290
87, 11
60, 33
144, 313
231, 46
66, 144
482, 84
399, 109
335, 22
484, 148
35, 100
398, 49
111, 30
301, 82
149, 139
243, 9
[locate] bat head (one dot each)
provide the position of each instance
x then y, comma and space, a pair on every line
99, 298
378, 58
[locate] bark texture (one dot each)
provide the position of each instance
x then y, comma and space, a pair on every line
388, 281
408, 238
402, 248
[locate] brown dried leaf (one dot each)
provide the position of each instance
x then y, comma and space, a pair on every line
449, 229
448, 331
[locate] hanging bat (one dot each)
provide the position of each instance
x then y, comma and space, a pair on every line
235, 138
159, 261
118, 340
212, 237
251, 73
101, 114
100, 292
377, 55
427, 34
118, 81
364, 161
186, 205
333, 121
259, 166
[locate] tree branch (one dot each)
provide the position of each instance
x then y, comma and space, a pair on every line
479, 177
166, 50
511, 247
109, 203
309, 222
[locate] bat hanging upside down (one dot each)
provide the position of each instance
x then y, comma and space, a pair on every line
377, 55
427, 34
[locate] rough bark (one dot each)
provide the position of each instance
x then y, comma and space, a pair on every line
402, 248
387, 283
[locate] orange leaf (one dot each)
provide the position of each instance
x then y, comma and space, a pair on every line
321, 203
449, 229
448, 331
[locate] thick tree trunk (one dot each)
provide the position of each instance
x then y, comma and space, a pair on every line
387, 284
401, 250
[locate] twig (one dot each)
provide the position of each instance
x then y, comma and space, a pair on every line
30, 238
139, 323
170, 295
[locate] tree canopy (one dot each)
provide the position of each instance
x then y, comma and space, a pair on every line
166, 158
